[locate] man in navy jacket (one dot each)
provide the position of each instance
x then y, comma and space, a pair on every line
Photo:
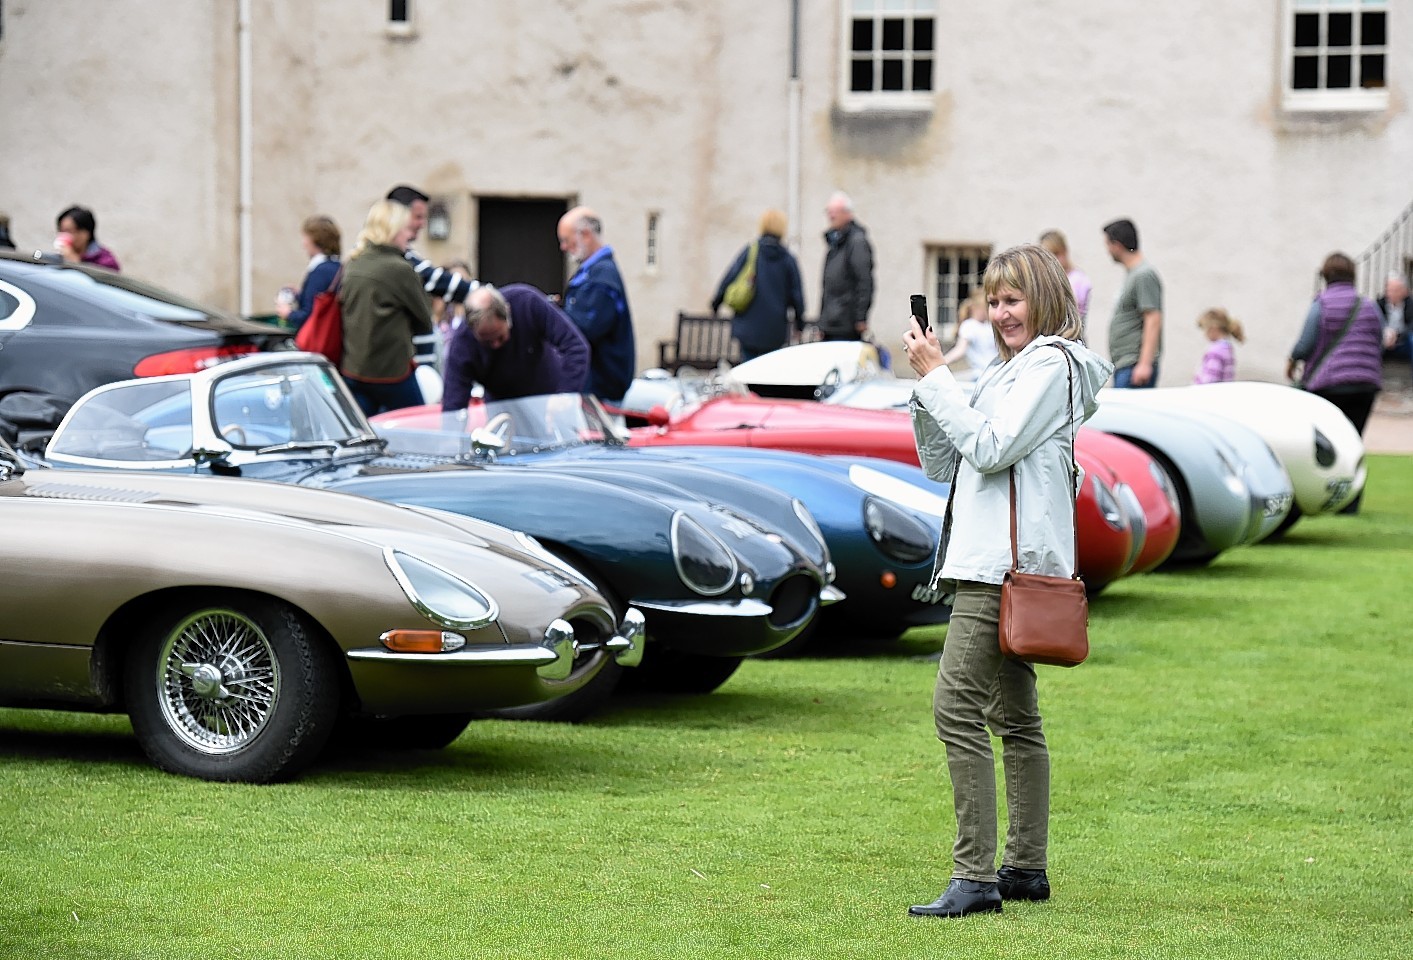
515, 343
597, 302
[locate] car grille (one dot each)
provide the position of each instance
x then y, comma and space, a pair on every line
64, 491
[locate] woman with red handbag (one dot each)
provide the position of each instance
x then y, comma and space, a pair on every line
1018, 420
384, 307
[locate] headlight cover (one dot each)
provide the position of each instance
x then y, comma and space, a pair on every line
440, 595
1109, 507
899, 536
807, 518
1324, 450
704, 563
1160, 476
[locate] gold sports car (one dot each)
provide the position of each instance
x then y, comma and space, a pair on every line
239, 623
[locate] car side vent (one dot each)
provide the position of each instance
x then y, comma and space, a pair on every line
68, 491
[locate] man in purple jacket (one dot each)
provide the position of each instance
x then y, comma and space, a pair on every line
515, 343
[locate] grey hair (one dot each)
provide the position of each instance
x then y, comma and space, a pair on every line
498, 306
590, 223
843, 198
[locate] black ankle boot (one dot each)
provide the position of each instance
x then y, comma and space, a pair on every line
1017, 884
961, 898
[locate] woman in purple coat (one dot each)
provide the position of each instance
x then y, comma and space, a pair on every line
1339, 355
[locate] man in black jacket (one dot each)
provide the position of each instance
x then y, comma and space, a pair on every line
848, 274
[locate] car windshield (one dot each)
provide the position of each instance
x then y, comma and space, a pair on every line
527, 424
292, 404
137, 422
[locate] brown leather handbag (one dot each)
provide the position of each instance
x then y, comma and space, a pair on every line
1045, 619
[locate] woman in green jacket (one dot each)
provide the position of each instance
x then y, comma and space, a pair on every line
384, 307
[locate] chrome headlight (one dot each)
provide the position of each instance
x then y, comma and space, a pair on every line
440, 595
1108, 506
897, 535
1165, 482
807, 518
703, 562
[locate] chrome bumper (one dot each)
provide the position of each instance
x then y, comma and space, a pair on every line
709, 608
830, 594
626, 645
487, 656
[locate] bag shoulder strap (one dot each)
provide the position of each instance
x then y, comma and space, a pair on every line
1314, 365
1074, 491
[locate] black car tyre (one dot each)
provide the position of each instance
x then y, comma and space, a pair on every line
231, 686
596, 674
670, 671
1290, 520
430, 732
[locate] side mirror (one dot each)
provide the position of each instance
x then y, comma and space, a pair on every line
658, 416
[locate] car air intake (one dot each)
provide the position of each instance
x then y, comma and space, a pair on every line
794, 600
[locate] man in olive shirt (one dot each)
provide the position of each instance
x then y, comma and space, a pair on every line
1136, 331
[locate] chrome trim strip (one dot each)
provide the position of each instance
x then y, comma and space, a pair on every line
830, 594
709, 608
522, 656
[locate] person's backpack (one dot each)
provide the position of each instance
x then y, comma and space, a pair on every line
742, 290
322, 332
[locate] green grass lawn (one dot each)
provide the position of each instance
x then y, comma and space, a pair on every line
1231, 779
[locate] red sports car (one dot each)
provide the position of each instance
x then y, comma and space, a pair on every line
1112, 521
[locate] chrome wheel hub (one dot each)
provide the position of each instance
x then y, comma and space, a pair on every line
218, 681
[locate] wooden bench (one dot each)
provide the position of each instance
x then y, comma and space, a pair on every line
703, 341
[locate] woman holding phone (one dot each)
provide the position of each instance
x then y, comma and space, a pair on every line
1021, 415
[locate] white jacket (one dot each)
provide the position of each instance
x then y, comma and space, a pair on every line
1017, 415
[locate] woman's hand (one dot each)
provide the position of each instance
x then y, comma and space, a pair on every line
923, 350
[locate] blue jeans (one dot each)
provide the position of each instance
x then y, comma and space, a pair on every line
376, 398
1123, 378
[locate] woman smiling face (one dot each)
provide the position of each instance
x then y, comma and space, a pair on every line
1010, 315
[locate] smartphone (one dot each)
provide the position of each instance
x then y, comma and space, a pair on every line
919, 306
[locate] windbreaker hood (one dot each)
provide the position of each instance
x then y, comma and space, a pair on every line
1091, 370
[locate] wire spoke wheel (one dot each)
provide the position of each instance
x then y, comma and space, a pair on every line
231, 685
219, 681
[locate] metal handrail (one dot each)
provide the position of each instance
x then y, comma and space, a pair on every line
1390, 253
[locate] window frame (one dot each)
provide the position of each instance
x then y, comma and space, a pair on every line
945, 303
898, 101
1353, 99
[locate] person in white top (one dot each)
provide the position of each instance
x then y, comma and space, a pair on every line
976, 338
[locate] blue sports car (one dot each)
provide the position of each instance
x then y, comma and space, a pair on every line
714, 585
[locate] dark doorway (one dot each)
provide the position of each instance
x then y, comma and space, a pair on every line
517, 243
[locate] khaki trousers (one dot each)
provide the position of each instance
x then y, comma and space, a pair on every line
977, 686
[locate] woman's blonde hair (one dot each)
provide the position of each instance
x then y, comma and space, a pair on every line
1223, 321
1036, 274
773, 224
386, 219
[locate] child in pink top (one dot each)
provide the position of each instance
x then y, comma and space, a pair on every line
1219, 362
